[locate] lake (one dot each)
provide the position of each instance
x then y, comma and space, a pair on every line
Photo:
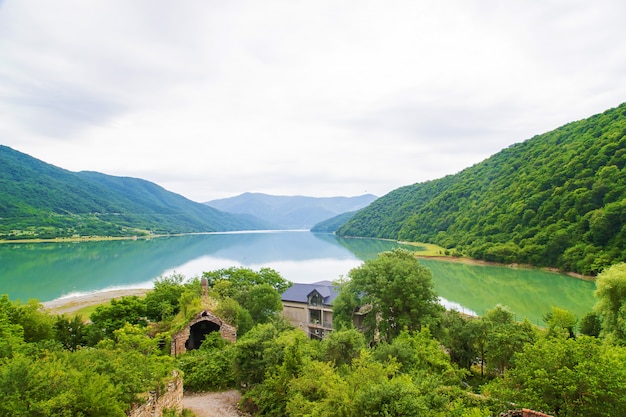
47, 271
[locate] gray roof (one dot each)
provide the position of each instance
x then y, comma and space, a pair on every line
299, 293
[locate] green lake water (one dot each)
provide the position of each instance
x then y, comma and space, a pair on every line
47, 271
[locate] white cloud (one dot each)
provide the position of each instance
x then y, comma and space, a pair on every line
211, 99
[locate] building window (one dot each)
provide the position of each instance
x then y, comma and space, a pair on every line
315, 316
315, 299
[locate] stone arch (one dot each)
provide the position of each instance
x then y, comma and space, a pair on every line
195, 332
198, 332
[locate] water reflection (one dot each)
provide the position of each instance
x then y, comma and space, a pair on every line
50, 270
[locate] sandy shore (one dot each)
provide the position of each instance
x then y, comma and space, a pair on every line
73, 303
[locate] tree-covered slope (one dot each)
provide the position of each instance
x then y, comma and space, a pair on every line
558, 199
40, 200
331, 225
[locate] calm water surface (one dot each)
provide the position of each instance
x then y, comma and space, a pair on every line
47, 271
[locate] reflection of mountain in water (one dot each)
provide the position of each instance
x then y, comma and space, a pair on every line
49, 270
527, 292
368, 248
32, 270
279, 246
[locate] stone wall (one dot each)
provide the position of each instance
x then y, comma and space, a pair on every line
170, 398
296, 313
524, 413
179, 339
531, 413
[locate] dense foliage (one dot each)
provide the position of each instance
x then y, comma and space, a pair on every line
45, 372
419, 372
246, 297
611, 305
567, 377
395, 292
286, 374
558, 199
431, 364
38, 200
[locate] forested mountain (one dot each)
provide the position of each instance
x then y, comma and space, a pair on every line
331, 225
40, 200
558, 200
290, 212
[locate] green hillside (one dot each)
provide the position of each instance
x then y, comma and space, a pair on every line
557, 200
39, 200
331, 225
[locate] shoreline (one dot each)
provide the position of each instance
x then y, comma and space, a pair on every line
471, 261
79, 239
447, 258
73, 303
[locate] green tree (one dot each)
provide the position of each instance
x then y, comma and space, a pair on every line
399, 291
37, 325
52, 386
291, 351
209, 368
256, 291
162, 302
233, 313
559, 321
417, 354
70, 332
130, 359
11, 337
346, 305
342, 346
131, 310
40, 378
504, 337
258, 351
262, 301
377, 384
244, 278
611, 301
566, 377
460, 335
590, 325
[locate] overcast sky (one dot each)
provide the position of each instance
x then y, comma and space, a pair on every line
211, 99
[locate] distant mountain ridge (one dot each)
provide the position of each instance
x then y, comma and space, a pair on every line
556, 200
39, 200
290, 212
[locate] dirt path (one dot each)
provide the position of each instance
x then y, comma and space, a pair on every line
214, 404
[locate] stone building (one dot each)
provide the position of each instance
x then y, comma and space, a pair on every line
192, 336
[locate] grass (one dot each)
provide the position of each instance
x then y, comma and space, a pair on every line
70, 309
428, 249
85, 312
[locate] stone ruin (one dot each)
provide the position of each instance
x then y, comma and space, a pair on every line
157, 401
524, 413
192, 336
